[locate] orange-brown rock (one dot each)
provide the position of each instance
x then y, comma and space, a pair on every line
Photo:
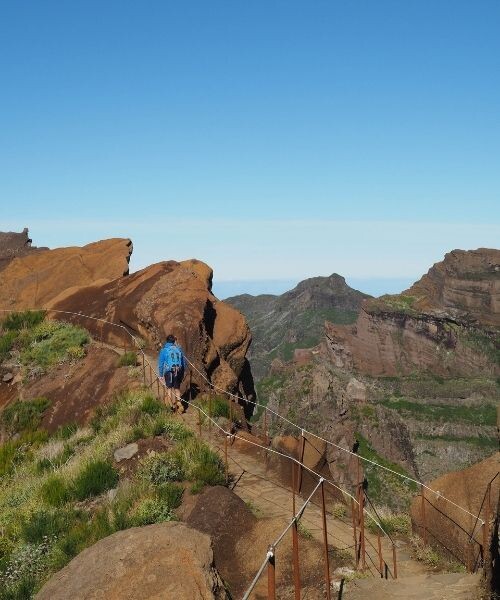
38, 279
168, 560
450, 527
444, 324
394, 344
466, 283
172, 297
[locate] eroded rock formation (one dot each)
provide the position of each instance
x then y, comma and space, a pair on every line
169, 560
172, 297
40, 278
444, 324
465, 284
13, 244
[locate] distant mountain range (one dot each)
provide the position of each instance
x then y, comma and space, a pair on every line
282, 323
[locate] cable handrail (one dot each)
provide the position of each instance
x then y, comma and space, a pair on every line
238, 398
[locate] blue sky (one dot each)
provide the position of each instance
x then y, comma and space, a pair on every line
274, 140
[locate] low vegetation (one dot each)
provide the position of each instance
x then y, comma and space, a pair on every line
39, 343
61, 493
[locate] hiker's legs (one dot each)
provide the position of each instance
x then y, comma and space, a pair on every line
170, 395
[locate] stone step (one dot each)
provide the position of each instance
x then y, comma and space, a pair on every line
439, 586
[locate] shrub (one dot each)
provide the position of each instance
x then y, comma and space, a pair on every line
55, 491
66, 431
127, 359
8, 451
391, 522
339, 510
176, 431
152, 510
23, 320
6, 343
151, 406
218, 407
75, 352
43, 525
423, 553
50, 343
24, 415
201, 463
161, 468
95, 478
171, 494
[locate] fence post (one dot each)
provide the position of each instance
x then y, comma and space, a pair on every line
380, 559
296, 568
301, 460
424, 521
394, 561
158, 387
271, 575
354, 517
143, 370
225, 459
361, 495
325, 541
210, 410
265, 427
199, 422
486, 524
293, 488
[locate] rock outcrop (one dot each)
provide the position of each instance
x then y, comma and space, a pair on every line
444, 324
465, 284
172, 297
38, 279
13, 244
169, 560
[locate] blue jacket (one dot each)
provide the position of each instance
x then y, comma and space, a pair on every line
162, 358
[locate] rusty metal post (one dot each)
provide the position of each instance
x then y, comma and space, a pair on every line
158, 387
301, 460
143, 370
226, 467
293, 488
296, 567
424, 521
210, 410
230, 410
486, 524
354, 518
271, 575
394, 561
150, 376
362, 526
380, 559
199, 422
266, 441
358, 471
325, 542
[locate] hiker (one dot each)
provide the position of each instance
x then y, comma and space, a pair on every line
171, 366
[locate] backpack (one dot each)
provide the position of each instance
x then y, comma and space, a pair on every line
173, 359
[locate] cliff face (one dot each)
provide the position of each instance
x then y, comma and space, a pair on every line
465, 284
38, 279
445, 324
172, 297
294, 320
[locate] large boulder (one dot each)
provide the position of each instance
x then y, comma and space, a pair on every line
169, 560
35, 280
172, 297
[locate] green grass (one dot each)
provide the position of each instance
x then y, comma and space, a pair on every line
55, 491
151, 406
217, 407
94, 479
23, 320
52, 342
384, 487
7, 341
475, 415
24, 415
127, 359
